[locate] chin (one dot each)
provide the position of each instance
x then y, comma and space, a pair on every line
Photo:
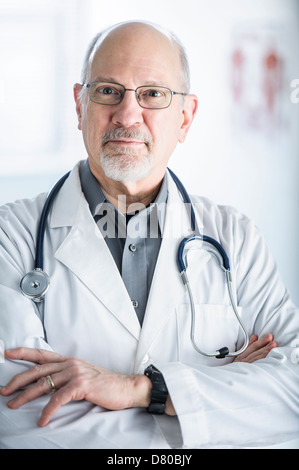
126, 168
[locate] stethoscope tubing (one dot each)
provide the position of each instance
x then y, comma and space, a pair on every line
35, 283
39, 259
224, 351
203, 238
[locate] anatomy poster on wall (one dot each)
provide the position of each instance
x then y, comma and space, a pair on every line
261, 71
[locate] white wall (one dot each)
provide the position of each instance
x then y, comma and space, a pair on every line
225, 158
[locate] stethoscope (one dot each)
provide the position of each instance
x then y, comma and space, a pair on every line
35, 283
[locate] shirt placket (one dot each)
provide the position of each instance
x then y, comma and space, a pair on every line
134, 263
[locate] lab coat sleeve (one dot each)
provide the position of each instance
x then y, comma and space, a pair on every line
240, 404
20, 322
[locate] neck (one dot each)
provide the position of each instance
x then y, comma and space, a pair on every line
129, 198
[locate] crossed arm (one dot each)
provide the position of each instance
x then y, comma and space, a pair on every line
75, 379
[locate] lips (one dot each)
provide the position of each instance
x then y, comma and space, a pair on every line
122, 136
125, 142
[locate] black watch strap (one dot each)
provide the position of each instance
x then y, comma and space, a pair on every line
159, 391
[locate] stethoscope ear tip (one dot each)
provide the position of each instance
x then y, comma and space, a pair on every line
223, 352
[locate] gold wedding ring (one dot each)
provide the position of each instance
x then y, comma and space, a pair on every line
50, 382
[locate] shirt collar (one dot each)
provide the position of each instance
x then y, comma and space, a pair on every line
95, 196
91, 188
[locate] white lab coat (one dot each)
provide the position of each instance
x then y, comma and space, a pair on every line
88, 314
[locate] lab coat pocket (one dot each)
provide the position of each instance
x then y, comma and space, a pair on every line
215, 327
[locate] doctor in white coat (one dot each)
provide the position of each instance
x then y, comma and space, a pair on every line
88, 388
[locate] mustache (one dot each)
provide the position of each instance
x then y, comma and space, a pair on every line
132, 133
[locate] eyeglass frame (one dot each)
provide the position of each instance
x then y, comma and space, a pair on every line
87, 85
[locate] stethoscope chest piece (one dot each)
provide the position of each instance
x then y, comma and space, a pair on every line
35, 284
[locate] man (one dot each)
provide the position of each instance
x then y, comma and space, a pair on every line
117, 305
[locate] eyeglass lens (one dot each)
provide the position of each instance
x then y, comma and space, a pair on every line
152, 97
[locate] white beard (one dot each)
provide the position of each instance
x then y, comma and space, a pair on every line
125, 167
128, 164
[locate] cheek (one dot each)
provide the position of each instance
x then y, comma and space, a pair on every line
166, 132
93, 127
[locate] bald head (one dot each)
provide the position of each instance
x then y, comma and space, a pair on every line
134, 35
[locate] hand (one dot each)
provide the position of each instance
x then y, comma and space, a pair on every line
74, 379
257, 349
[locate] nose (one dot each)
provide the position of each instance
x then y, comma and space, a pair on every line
128, 112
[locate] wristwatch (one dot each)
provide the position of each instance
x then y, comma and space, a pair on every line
159, 391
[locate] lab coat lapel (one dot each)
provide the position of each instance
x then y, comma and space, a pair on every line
167, 289
85, 253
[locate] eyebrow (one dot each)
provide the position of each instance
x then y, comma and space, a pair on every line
104, 79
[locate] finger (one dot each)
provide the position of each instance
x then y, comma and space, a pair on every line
252, 339
248, 350
255, 345
59, 398
26, 378
39, 356
259, 344
41, 387
261, 353
266, 338
262, 341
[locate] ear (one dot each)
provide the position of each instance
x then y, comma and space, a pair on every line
188, 114
77, 89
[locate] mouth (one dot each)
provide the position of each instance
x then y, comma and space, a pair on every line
125, 142
120, 137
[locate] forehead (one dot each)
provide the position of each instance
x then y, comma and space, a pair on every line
136, 52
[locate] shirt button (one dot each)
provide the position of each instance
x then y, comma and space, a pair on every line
135, 303
132, 248
145, 359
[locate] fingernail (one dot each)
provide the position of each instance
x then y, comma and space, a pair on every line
41, 423
10, 352
10, 403
268, 335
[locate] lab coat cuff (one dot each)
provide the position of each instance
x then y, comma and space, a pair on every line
183, 391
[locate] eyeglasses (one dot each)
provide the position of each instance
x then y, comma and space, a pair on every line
148, 97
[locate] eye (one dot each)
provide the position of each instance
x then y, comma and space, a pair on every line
152, 93
106, 90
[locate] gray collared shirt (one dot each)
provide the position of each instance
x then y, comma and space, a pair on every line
134, 240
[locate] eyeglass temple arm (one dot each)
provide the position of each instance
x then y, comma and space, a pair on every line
178, 93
